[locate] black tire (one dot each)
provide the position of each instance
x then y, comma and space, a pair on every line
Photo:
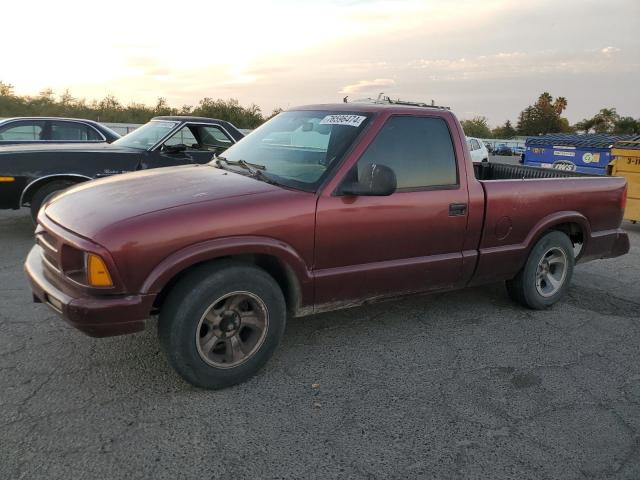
524, 288
44, 193
187, 305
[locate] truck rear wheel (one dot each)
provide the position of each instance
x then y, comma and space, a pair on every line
546, 276
44, 193
221, 323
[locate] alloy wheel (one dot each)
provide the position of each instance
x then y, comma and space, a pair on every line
232, 329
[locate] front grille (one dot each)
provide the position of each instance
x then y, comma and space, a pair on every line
47, 238
50, 249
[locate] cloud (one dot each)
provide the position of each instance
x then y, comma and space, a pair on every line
368, 85
610, 50
269, 69
518, 64
491, 57
146, 65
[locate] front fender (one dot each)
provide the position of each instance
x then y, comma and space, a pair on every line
231, 246
34, 185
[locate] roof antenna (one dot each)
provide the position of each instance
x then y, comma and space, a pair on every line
344, 100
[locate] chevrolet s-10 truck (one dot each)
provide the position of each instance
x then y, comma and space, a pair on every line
323, 207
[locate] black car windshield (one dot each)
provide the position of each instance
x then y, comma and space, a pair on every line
298, 148
112, 132
146, 136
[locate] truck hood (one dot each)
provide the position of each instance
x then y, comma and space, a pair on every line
90, 207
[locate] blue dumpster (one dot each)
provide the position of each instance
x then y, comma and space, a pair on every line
589, 153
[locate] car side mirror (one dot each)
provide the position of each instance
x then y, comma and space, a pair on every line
376, 181
177, 148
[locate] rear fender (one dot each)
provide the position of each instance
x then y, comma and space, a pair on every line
553, 220
505, 261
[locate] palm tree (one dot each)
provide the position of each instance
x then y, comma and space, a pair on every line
605, 120
560, 104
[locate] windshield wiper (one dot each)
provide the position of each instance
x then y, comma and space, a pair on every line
255, 170
251, 167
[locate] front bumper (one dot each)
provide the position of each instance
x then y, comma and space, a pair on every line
97, 316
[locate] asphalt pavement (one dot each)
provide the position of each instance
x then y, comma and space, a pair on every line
462, 385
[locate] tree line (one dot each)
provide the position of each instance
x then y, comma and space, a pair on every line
545, 116
109, 109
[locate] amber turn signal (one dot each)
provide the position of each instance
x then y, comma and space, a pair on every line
7, 179
97, 272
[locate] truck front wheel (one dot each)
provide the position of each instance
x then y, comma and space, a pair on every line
546, 276
221, 323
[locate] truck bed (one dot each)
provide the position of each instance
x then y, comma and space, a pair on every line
505, 171
520, 202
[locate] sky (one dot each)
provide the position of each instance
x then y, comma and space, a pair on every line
483, 57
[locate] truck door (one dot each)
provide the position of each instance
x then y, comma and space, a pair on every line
193, 143
407, 242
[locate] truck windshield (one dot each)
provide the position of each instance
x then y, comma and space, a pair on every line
147, 135
298, 148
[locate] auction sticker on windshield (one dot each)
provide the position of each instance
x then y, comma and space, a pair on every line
350, 120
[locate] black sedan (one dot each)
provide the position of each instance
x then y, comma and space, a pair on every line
48, 130
30, 174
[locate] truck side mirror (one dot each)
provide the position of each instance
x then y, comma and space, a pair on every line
376, 180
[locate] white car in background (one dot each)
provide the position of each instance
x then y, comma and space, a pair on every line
478, 149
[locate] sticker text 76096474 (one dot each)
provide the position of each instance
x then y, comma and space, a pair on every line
350, 120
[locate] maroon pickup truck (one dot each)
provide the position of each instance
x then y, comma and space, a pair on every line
321, 208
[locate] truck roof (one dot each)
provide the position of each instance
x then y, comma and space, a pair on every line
372, 107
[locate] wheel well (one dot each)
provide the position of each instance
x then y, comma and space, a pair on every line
32, 188
279, 270
572, 230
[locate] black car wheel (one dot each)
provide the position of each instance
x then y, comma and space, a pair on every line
44, 193
546, 276
221, 323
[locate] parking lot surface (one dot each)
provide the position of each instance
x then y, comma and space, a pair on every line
457, 385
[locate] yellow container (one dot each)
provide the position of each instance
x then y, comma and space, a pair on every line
626, 163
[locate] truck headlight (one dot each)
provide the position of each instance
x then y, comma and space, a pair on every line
97, 272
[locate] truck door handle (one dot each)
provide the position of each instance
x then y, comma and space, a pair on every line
457, 209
